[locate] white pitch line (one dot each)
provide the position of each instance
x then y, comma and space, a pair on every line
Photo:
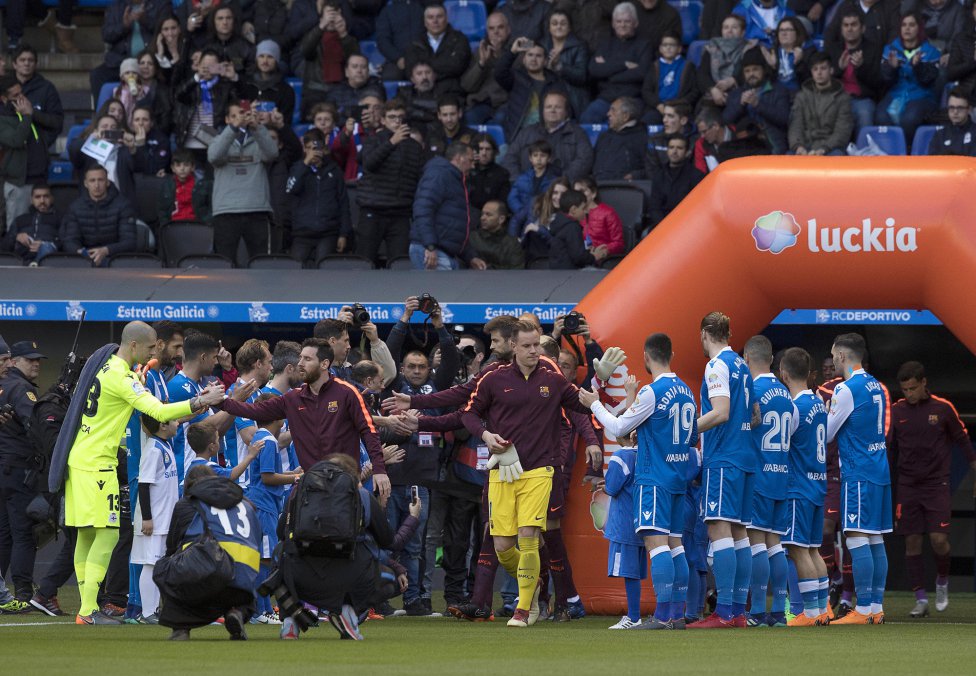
38, 624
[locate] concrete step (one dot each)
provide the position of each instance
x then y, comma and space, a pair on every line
86, 38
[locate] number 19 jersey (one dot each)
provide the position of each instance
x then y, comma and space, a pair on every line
730, 444
663, 438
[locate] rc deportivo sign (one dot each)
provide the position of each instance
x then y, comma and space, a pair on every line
777, 231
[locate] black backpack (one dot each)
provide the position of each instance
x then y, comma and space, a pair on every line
197, 572
325, 515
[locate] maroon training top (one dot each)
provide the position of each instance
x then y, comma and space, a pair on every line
459, 394
333, 421
524, 411
922, 436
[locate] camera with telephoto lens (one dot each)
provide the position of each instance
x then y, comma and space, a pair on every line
572, 322
428, 304
360, 315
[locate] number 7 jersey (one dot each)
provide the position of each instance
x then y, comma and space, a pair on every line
857, 421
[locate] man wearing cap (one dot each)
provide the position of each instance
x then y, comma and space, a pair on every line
19, 468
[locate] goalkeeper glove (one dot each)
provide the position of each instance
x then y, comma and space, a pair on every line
605, 366
509, 467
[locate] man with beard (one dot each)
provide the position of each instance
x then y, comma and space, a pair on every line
326, 415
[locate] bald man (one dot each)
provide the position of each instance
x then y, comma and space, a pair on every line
92, 498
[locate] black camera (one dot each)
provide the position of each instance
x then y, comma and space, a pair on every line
572, 322
360, 315
428, 304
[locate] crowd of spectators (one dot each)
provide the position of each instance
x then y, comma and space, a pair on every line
273, 123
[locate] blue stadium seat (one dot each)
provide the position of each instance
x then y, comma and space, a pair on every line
695, 50
654, 129
923, 136
890, 139
493, 130
296, 84
467, 16
945, 93
690, 13
593, 131
59, 172
73, 133
105, 93
371, 51
392, 86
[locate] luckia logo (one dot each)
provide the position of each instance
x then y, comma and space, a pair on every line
775, 232
778, 230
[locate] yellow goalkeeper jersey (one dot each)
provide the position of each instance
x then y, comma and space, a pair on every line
114, 393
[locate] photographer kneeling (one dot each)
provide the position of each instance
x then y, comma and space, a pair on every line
216, 505
323, 564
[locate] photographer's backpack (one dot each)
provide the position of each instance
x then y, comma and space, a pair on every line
325, 515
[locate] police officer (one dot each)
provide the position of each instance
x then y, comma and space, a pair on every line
19, 468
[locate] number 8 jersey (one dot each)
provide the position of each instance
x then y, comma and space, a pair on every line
857, 422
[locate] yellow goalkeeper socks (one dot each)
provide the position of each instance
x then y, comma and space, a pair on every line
510, 560
95, 563
528, 570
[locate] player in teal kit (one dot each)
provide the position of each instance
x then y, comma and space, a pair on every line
777, 421
857, 421
664, 416
729, 463
806, 488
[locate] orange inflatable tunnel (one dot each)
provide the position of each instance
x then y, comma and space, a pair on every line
760, 235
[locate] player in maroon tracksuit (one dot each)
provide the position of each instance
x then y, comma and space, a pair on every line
924, 428
841, 577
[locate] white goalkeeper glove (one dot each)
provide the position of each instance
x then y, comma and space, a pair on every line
509, 467
605, 366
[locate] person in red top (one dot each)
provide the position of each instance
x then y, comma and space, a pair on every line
602, 223
517, 411
924, 428
184, 197
326, 415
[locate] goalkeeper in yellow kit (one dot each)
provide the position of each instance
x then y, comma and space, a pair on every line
91, 486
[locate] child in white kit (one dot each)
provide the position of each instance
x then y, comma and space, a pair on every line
157, 496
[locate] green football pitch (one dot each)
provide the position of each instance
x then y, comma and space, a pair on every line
943, 644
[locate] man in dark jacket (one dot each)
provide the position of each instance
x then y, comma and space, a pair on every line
441, 217
621, 149
567, 249
421, 465
100, 223
857, 64
128, 27
448, 127
492, 243
325, 48
320, 205
224, 28
47, 115
399, 21
445, 49
618, 64
392, 162
357, 84
37, 233
959, 136
485, 95
761, 100
674, 181
19, 465
881, 20
820, 122
572, 153
15, 129
420, 96
655, 19
521, 71
203, 100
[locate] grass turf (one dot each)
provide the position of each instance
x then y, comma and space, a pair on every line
942, 644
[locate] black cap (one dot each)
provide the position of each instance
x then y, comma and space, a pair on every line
4, 348
26, 349
754, 57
